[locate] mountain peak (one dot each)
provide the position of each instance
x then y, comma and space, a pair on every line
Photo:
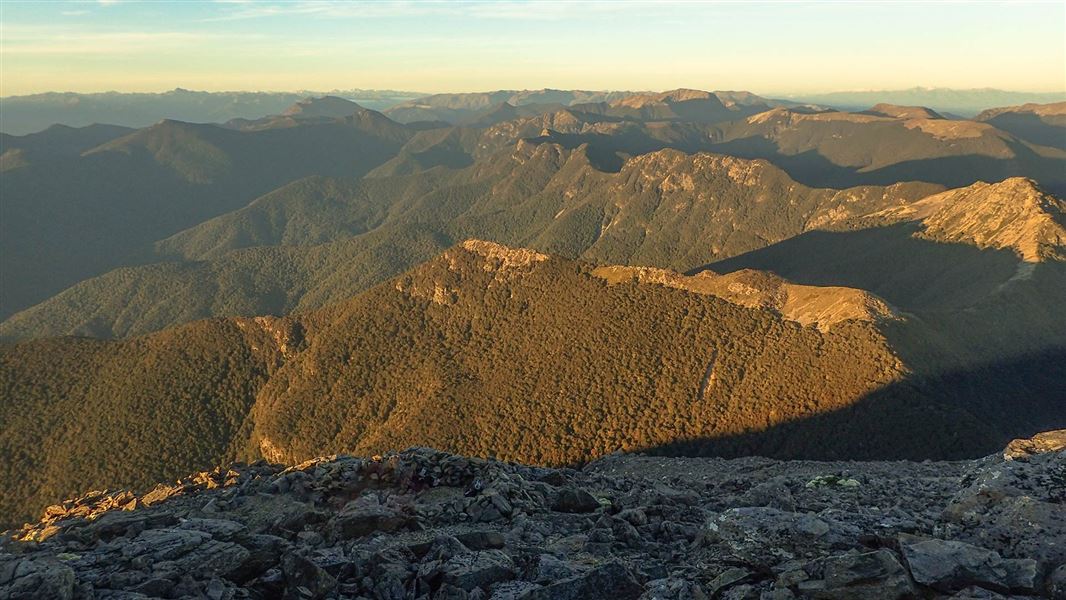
667, 97
903, 112
1012, 214
325, 106
435, 280
501, 257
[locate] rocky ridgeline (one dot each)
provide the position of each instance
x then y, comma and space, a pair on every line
426, 524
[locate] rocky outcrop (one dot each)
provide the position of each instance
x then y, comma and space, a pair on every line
426, 524
808, 305
1041, 443
1014, 214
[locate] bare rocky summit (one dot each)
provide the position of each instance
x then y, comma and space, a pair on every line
427, 524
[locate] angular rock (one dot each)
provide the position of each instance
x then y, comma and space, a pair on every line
611, 581
871, 575
165, 544
366, 515
1056, 583
950, 565
979, 593
400, 526
634, 516
765, 535
672, 588
28, 579
481, 540
302, 574
117, 523
513, 590
478, 569
773, 493
220, 529
551, 569
727, 578
1016, 507
575, 500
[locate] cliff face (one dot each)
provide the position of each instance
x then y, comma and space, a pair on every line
426, 524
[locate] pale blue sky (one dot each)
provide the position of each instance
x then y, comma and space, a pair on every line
765, 47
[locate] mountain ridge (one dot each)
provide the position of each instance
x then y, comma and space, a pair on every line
485, 349
538, 194
819, 306
1013, 214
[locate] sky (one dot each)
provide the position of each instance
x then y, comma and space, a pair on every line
764, 47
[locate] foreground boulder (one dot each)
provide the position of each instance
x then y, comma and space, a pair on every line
872, 575
950, 565
431, 525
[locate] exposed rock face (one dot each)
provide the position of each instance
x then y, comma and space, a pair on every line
1013, 214
425, 524
818, 306
1015, 503
1041, 443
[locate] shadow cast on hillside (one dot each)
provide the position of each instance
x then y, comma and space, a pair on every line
958, 171
815, 170
1031, 128
609, 152
909, 272
952, 416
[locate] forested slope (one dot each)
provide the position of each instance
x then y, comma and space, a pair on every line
490, 350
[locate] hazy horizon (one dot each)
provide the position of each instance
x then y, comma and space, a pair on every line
771, 48
419, 93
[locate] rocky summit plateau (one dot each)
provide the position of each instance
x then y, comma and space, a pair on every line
432, 525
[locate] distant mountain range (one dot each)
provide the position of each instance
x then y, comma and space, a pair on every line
64, 191
543, 276
33, 113
966, 103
